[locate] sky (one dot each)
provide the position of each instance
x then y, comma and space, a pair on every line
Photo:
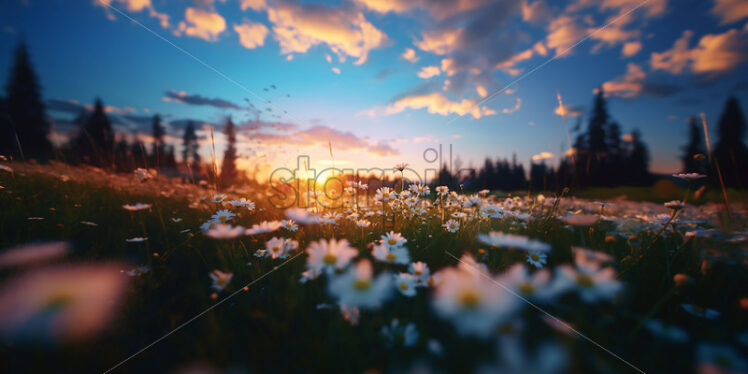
381, 82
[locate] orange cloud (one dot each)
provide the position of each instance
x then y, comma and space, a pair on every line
428, 72
135, 6
631, 48
563, 33
730, 11
517, 105
344, 30
203, 24
439, 42
436, 103
635, 83
256, 5
542, 156
410, 55
251, 35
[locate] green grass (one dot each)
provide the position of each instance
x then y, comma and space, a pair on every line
276, 325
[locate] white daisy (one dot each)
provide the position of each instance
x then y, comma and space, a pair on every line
223, 216
499, 239
289, 225
263, 227
280, 247
591, 281
393, 239
406, 283
136, 206
451, 226
329, 256
395, 255
537, 259
220, 279
421, 271
224, 231
396, 334
358, 288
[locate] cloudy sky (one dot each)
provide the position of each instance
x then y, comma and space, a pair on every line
382, 81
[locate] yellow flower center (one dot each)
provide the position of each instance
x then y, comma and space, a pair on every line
276, 248
330, 259
392, 242
403, 286
526, 288
362, 284
534, 257
469, 299
584, 280
391, 256
222, 218
418, 272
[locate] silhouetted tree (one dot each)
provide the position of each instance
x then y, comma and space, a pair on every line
637, 162
694, 153
730, 151
25, 121
228, 166
158, 149
95, 141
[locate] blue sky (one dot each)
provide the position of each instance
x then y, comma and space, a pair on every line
659, 62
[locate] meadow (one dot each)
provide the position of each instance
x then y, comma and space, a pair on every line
96, 267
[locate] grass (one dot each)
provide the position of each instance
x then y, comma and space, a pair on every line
282, 325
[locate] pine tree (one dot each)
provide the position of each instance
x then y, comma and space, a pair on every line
157, 154
95, 142
637, 164
25, 122
228, 166
730, 151
694, 149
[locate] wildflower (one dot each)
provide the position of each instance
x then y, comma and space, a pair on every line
220, 279
35, 218
472, 202
302, 216
350, 314
218, 198
263, 227
136, 206
29, 254
535, 286
485, 192
592, 255
362, 223
280, 247
395, 255
289, 225
420, 189
442, 190
421, 271
689, 176
329, 255
393, 239
385, 194
176, 220
136, 240
674, 205
331, 217
591, 281
309, 274
224, 231
223, 216
499, 239
144, 174
358, 288
6, 168
396, 334
471, 301
406, 284
451, 225
490, 211
537, 259
67, 302
401, 166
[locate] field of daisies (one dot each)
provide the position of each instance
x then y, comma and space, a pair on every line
141, 273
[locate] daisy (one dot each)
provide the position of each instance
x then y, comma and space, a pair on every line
451, 226
218, 198
471, 301
28, 254
220, 279
472, 202
592, 255
535, 286
224, 231
136, 240
6, 168
280, 247
442, 190
223, 216
263, 227
537, 259
331, 217
406, 283
136, 206
395, 334
499, 239
393, 239
289, 225
421, 271
385, 194
490, 211
485, 192
394, 255
689, 176
674, 205
362, 223
302, 216
358, 287
591, 281
67, 302
144, 174
420, 189
329, 256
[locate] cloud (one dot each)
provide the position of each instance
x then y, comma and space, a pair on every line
319, 136
298, 27
481, 91
713, 56
542, 156
437, 9
568, 111
196, 99
563, 33
256, 5
410, 55
135, 6
517, 105
74, 107
200, 23
437, 103
336, 70
536, 13
634, 83
428, 72
730, 11
631, 48
251, 35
